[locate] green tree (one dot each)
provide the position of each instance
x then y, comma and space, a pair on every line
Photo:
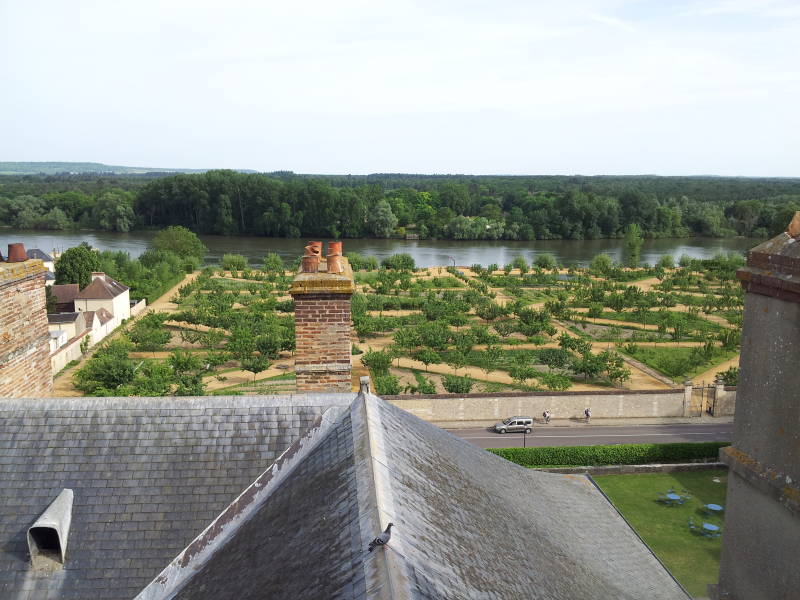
113, 211
255, 365
108, 369
633, 244
428, 356
601, 264
180, 241
377, 361
381, 220
76, 265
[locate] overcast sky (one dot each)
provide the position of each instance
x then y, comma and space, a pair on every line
342, 86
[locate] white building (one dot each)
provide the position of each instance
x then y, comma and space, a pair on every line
105, 293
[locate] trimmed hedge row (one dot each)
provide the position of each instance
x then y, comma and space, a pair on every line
617, 454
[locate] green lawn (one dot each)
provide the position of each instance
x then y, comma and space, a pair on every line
692, 558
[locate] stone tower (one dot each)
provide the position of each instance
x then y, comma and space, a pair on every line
761, 541
24, 338
322, 293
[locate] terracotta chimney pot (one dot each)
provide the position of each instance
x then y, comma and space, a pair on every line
16, 253
335, 248
309, 264
335, 264
314, 249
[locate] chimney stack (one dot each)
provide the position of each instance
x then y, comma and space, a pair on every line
322, 321
761, 541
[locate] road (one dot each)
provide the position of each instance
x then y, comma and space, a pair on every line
588, 435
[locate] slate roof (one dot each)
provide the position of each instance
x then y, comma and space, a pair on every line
36, 253
148, 475
102, 288
468, 525
65, 317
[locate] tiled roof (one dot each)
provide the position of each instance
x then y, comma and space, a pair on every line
148, 475
36, 253
65, 292
102, 288
65, 317
89, 316
103, 315
468, 524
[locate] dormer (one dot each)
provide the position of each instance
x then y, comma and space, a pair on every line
47, 537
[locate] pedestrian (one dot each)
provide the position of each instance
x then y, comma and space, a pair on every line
588, 414
546, 415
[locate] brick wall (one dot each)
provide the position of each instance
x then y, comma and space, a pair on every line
322, 334
24, 339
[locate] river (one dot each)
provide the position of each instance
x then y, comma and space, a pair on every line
426, 253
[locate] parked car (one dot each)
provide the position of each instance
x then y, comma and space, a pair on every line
515, 425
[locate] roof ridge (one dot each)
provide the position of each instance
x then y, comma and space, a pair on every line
395, 568
214, 537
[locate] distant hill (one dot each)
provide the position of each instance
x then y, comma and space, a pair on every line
56, 168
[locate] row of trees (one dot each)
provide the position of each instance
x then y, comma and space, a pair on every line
286, 205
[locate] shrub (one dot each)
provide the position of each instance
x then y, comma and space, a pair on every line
399, 262
457, 385
386, 385
545, 261
377, 361
234, 262
618, 454
424, 386
730, 376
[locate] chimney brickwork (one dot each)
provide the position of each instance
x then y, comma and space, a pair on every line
323, 328
24, 338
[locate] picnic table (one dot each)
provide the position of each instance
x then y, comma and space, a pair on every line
714, 508
710, 530
672, 499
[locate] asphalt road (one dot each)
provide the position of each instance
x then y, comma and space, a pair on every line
588, 435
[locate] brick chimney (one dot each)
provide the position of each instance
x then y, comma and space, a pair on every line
24, 339
323, 325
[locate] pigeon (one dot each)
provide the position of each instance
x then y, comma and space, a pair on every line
382, 538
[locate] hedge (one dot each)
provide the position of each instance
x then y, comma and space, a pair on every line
618, 454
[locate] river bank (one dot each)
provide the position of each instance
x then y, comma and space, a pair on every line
426, 253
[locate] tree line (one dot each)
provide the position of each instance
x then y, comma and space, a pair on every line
451, 207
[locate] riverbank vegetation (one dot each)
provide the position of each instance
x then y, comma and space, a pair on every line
446, 207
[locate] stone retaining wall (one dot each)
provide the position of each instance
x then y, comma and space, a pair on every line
479, 410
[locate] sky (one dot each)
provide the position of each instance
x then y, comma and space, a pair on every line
364, 86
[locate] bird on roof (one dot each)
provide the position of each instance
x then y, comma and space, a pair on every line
382, 538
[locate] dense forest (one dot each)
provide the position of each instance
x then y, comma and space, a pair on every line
283, 204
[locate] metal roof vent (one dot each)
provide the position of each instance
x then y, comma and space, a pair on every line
47, 537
